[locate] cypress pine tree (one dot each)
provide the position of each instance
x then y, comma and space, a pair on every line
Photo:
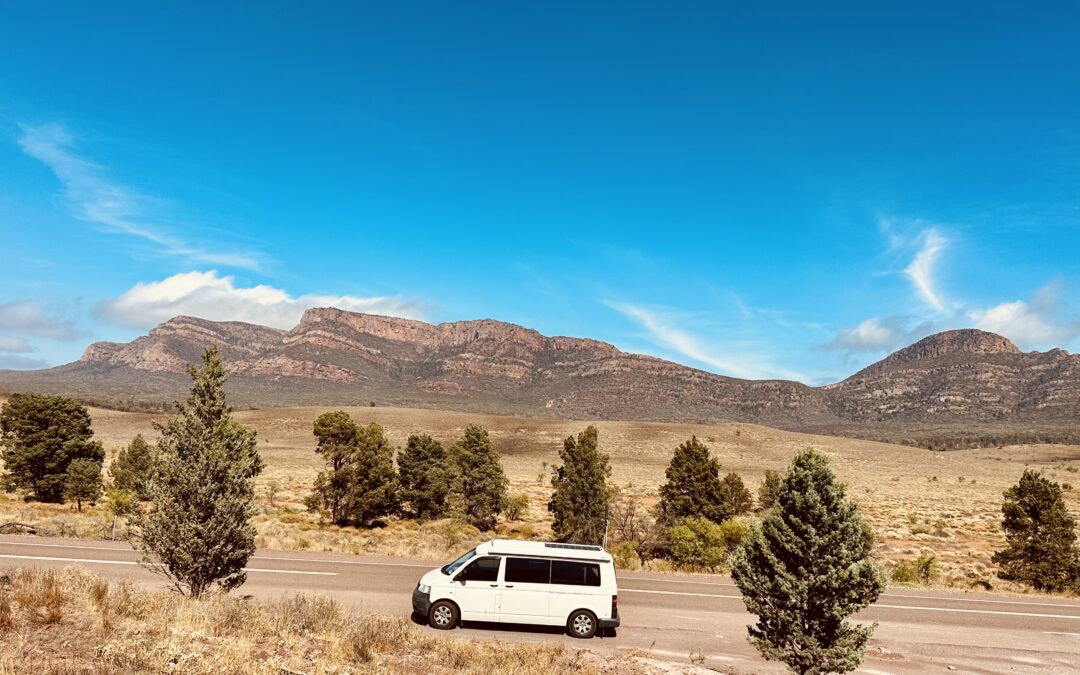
693, 485
770, 487
373, 489
133, 468
337, 436
805, 569
580, 501
83, 481
1040, 535
41, 436
479, 483
198, 533
735, 498
424, 474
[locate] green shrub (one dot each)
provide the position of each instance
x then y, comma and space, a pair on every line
626, 556
517, 506
698, 543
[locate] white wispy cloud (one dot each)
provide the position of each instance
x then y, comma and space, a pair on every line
662, 329
876, 335
1042, 321
30, 318
14, 344
95, 198
921, 271
208, 295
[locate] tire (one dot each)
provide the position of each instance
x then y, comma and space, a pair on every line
443, 615
582, 624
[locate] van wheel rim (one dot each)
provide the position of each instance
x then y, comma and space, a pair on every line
442, 616
582, 624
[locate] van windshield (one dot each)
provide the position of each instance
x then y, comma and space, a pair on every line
452, 567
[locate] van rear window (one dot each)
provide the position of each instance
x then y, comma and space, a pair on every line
528, 570
572, 573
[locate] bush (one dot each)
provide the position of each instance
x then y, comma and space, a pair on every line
698, 543
517, 506
626, 556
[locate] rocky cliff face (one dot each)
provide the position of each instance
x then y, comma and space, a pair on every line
337, 357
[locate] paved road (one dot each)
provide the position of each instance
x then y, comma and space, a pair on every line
669, 615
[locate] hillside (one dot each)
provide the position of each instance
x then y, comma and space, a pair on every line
333, 357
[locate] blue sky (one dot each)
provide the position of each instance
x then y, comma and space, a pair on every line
765, 191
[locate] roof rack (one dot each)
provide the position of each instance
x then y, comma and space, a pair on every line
572, 547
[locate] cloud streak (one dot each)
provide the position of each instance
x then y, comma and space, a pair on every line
662, 331
94, 198
29, 318
208, 295
921, 270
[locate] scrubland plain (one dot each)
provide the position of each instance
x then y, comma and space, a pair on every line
916, 500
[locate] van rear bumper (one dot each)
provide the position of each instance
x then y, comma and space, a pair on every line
421, 602
613, 622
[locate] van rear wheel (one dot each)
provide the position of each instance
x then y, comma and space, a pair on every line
443, 615
582, 624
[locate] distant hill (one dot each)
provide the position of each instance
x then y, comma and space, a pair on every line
959, 379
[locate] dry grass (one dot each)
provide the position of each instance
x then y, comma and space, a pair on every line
72, 621
947, 502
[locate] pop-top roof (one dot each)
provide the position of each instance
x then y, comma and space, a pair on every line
543, 548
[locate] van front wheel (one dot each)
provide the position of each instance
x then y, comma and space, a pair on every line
582, 624
443, 615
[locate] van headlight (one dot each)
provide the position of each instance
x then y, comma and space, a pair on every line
423, 588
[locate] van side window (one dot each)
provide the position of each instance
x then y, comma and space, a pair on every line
484, 569
528, 570
573, 573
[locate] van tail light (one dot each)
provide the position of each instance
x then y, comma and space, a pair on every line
614, 604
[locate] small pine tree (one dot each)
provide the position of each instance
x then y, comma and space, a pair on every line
133, 468
770, 487
40, 437
693, 485
373, 491
582, 494
807, 568
198, 533
337, 436
1040, 536
735, 497
479, 483
424, 474
83, 481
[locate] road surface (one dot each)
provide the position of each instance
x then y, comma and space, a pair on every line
668, 615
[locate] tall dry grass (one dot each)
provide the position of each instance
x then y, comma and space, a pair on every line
72, 621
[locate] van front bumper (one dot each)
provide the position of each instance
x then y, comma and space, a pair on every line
613, 622
421, 602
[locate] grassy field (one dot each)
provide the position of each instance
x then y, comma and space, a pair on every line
71, 621
947, 502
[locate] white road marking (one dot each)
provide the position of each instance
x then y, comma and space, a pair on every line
1051, 632
91, 561
877, 605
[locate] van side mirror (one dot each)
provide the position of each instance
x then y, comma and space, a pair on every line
461, 577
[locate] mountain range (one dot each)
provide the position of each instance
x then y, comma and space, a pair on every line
333, 357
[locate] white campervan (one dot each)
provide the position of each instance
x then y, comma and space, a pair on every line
535, 582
